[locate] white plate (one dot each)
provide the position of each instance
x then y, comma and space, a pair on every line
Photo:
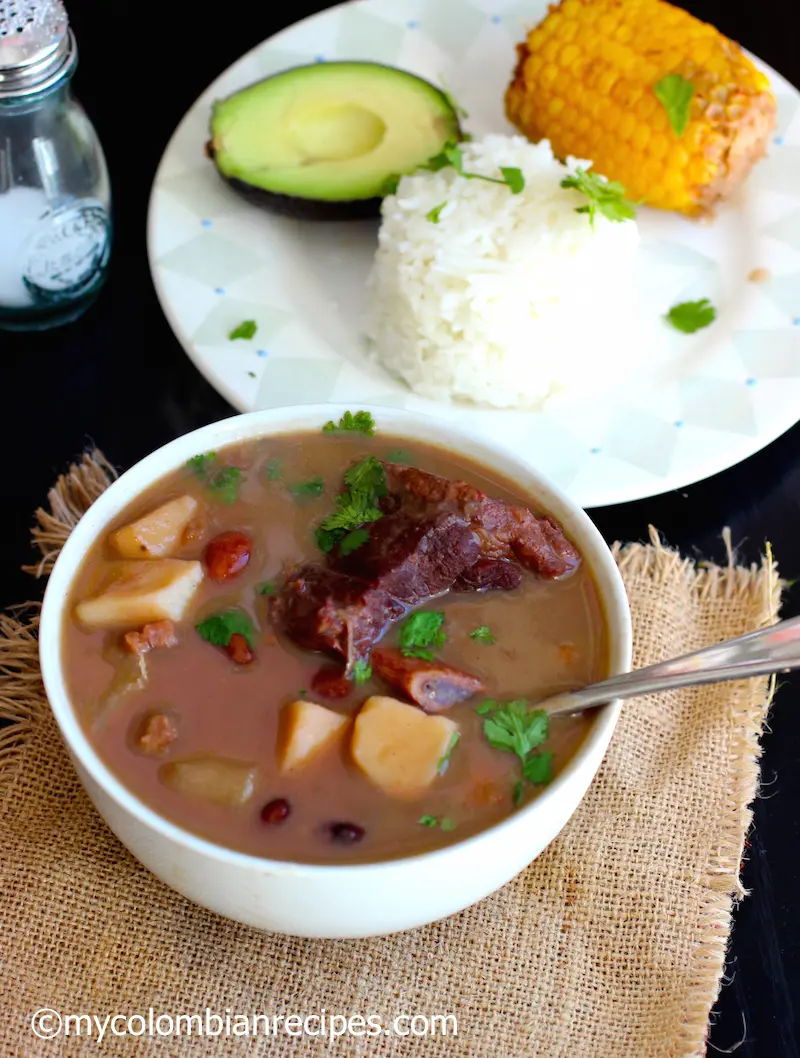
699, 404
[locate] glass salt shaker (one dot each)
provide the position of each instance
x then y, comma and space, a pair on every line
55, 201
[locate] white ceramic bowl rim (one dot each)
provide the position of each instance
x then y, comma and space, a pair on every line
406, 426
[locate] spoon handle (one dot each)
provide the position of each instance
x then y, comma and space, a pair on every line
773, 649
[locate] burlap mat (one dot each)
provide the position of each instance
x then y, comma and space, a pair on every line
611, 944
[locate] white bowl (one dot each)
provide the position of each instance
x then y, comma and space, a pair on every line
358, 900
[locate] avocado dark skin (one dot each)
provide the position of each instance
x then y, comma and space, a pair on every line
299, 208
324, 166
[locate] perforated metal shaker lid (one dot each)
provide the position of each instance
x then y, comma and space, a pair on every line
36, 45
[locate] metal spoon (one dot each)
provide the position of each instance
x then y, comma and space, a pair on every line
773, 649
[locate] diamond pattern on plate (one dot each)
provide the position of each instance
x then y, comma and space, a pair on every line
770, 354
228, 313
274, 60
364, 36
717, 404
519, 18
642, 439
211, 260
778, 172
278, 386
553, 449
788, 106
453, 25
203, 191
787, 229
785, 292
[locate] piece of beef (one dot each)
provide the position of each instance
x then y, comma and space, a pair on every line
538, 543
504, 530
413, 559
433, 685
154, 733
489, 574
152, 636
321, 609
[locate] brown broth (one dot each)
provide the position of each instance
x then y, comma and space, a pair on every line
550, 635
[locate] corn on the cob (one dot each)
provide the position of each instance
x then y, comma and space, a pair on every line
585, 80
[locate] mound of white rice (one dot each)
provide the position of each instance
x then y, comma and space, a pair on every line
509, 298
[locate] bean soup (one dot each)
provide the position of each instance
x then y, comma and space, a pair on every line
322, 648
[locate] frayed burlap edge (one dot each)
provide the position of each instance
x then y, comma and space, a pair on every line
22, 699
69, 499
723, 872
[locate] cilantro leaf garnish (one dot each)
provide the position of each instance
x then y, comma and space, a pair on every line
274, 470
418, 652
246, 330
219, 628
674, 92
487, 707
390, 185
514, 178
313, 487
361, 422
326, 539
434, 214
453, 155
366, 484
446, 823
200, 464
538, 768
691, 316
483, 634
361, 671
223, 483
517, 729
367, 478
354, 539
605, 196
420, 631
441, 767
267, 587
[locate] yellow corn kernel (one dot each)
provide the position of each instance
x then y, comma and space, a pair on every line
585, 80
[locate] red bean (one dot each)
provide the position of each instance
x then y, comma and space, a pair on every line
227, 555
238, 650
329, 682
276, 811
346, 833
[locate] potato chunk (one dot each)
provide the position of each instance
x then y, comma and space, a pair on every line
306, 730
208, 777
157, 534
141, 592
398, 747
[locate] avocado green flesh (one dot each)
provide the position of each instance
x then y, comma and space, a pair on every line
331, 131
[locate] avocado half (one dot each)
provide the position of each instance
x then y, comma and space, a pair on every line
322, 141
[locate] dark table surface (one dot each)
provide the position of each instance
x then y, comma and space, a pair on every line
118, 377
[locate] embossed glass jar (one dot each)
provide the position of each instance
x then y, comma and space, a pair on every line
55, 202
